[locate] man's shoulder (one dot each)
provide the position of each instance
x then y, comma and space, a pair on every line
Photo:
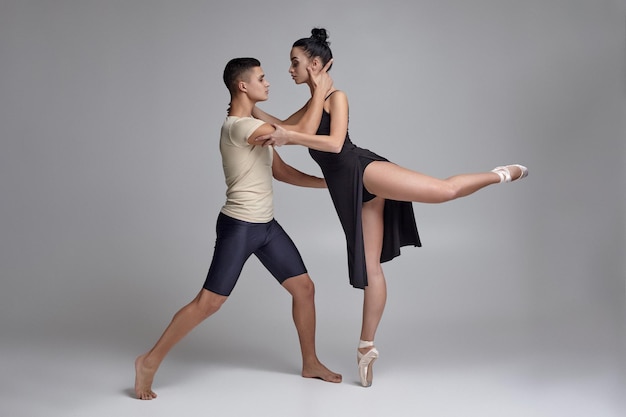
238, 129
244, 122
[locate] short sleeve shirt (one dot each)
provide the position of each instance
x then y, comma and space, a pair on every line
247, 172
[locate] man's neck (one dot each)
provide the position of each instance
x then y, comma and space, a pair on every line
241, 108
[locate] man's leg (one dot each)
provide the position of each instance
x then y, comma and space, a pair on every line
204, 305
302, 291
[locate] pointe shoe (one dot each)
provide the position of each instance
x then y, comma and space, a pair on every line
366, 362
505, 174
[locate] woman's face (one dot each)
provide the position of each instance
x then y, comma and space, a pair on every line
299, 63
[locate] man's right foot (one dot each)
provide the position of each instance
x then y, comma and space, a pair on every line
318, 370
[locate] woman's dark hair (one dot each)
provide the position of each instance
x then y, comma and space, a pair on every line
316, 45
235, 68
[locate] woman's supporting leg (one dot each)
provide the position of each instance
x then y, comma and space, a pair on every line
204, 305
394, 182
375, 294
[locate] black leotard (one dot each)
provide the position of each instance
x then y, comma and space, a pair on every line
343, 172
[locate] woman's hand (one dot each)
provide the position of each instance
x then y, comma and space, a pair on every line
321, 80
279, 137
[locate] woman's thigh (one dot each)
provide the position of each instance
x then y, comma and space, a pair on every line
391, 181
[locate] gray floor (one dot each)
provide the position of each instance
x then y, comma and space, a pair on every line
451, 375
245, 359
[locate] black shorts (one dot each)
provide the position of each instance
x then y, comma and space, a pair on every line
237, 240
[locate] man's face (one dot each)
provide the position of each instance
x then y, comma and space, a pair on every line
257, 86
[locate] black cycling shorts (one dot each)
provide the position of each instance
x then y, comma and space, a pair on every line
237, 240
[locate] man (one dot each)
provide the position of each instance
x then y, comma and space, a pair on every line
246, 225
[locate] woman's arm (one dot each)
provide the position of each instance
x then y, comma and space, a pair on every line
307, 118
338, 109
288, 174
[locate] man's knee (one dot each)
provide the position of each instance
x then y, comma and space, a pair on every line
300, 286
209, 302
307, 287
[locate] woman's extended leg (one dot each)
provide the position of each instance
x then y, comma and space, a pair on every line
375, 294
394, 182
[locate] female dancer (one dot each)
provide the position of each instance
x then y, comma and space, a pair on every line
372, 196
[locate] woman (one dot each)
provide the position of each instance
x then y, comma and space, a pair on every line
372, 196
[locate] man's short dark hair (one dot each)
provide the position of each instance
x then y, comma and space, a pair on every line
234, 70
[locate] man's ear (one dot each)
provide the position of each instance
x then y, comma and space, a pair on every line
241, 85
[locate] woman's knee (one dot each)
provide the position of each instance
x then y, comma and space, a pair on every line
447, 191
375, 272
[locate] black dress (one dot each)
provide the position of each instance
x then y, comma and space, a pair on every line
343, 172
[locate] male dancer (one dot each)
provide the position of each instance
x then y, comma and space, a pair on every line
246, 224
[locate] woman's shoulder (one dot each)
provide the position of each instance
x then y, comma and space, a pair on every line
337, 98
336, 94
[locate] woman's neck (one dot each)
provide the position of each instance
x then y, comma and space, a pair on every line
312, 90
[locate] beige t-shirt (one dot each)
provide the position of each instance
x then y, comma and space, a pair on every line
247, 171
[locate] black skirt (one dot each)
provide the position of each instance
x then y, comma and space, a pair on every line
343, 172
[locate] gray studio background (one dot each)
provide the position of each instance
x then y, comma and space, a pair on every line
111, 181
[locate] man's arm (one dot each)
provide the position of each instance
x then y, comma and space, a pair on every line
288, 174
257, 113
281, 171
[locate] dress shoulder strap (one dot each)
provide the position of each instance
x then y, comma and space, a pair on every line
330, 94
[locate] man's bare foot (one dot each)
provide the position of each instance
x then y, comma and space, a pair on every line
143, 379
317, 370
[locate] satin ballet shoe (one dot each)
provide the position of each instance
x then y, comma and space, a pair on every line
505, 174
366, 362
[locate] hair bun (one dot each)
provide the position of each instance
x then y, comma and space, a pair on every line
320, 35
